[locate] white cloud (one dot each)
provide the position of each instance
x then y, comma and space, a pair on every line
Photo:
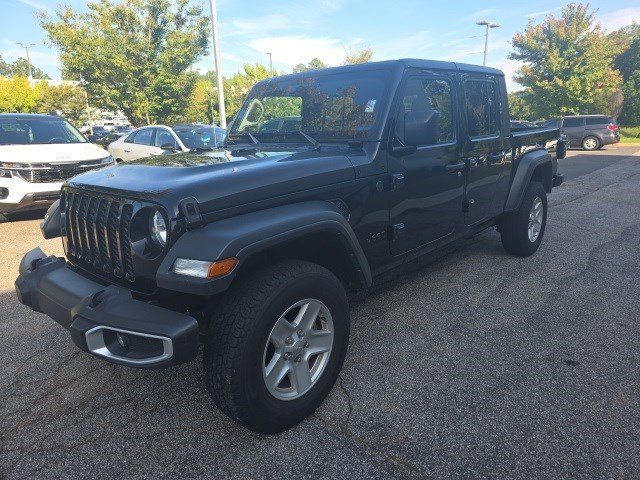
479, 14
244, 26
408, 46
616, 19
36, 4
331, 5
294, 49
542, 12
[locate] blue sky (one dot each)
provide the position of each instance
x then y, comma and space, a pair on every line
298, 30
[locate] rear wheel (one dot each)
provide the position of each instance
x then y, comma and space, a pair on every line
276, 345
591, 143
522, 231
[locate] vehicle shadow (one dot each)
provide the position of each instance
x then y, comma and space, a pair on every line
26, 216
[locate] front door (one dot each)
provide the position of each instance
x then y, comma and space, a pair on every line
426, 200
488, 170
139, 144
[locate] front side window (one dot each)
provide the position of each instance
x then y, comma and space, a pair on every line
164, 137
423, 95
481, 105
143, 137
36, 131
337, 106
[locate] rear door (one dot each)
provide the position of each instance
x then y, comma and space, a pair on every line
486, 154
426, 200
573, 128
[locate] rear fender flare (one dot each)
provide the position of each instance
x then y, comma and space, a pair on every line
244, 235
525, 169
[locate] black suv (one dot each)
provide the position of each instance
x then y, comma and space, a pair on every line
251, 249
589, 132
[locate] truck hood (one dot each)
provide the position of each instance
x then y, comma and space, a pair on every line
221, 179
51, 153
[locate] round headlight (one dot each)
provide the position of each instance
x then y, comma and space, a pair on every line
159, 229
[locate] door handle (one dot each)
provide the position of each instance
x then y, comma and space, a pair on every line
127, 151
495, 157
455, 167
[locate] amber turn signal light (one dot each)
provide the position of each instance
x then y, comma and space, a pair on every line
222, 267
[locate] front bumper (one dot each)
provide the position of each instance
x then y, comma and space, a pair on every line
30, 202
106, 321
26, 196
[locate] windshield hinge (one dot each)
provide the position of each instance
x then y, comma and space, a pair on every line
191, 211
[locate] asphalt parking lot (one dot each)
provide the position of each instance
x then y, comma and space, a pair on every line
481, 365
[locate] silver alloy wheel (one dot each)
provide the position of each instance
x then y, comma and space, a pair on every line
298, 349
590, 143
536, 216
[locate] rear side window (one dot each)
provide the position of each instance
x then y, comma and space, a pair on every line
573, 122
143, 137
481, 104
599, 120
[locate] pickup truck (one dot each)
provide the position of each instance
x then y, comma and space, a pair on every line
252, 249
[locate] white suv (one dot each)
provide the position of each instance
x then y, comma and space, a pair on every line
37, 154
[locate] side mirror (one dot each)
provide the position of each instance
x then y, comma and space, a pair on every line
422, 128
92, 138
168, 147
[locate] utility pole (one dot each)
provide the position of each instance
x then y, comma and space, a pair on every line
26, 48
270, 63
488, 25
216, 56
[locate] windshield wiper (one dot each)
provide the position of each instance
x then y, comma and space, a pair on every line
201, 149
311, 140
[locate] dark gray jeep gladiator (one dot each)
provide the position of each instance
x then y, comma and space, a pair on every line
328, 179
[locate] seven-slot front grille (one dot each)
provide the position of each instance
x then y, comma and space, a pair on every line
97, 232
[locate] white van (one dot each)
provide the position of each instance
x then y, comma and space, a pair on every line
37, 154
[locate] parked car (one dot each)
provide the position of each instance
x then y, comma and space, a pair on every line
108, 139
37, 154
589, 132
253, 248
161, 139
281, 124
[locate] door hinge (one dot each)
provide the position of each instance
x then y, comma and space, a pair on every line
397, 181
397, 232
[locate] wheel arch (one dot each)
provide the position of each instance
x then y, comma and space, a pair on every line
314, 231
536, 165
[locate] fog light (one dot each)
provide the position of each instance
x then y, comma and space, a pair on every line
4, 193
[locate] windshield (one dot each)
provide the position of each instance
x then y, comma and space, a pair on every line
38, 131
201, 137
334, 106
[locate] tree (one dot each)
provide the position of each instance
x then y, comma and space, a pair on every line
238, 86
17, 95
67, 100
628, 63
132, 56
315, 64
361, 56
20, 68
519, 106
568, 64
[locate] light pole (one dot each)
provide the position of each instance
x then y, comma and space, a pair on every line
216, 56
270, 63
26, 48
488, 25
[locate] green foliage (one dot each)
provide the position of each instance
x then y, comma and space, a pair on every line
18, 95
315, 64
20, 68
238, 86
630, 114
627, 41
132, 56
520, 106
361, 56
630, 134
567, 64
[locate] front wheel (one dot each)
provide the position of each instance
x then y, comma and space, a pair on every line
522, 231
276, 344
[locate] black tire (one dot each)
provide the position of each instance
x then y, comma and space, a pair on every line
588, 145
240, 328
514, 226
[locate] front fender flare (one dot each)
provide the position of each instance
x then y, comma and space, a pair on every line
524, 171
244, 235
